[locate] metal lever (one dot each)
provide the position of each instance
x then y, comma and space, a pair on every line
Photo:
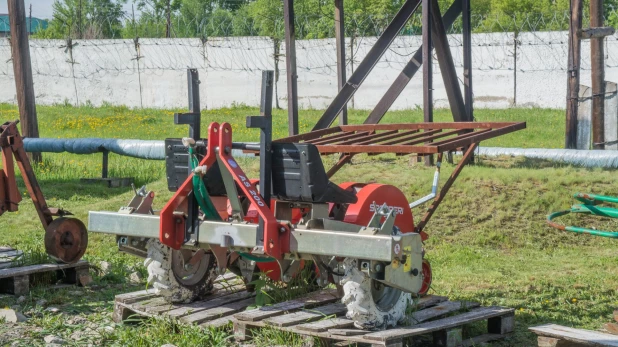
434, 187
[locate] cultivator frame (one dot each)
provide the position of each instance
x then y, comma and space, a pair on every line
386, 251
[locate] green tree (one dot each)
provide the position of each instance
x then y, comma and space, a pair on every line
87, 19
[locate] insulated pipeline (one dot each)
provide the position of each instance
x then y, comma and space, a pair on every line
155, 150
143, 149
585, 158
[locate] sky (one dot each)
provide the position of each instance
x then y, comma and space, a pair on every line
43, 8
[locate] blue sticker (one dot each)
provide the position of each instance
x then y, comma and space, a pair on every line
232, 163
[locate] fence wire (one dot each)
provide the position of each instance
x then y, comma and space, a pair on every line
534, 43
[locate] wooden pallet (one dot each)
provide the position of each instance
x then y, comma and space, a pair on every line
552, 335
17, 280
230, 296
321, 315
7, 255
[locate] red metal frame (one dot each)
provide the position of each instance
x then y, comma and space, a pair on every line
404, 138
273, 231
172, 227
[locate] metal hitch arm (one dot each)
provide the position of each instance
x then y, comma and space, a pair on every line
13, 146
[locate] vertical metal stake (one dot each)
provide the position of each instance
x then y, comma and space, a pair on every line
264, 123
597, 65
467, 47
575, 51
290, 61
427, 69
105, 164
340, 42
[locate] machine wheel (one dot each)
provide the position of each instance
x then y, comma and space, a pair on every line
172, 280
66, 240
371, 304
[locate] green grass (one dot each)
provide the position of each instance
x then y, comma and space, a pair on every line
488, 240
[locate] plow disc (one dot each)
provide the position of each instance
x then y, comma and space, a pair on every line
66, 239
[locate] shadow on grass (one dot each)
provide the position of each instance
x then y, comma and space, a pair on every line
75, 189
507, 162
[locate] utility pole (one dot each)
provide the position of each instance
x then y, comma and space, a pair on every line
575, 55
79, 21
597, 64
340, 42
290, 63
169, 20
30, 20
22, 69
427, 69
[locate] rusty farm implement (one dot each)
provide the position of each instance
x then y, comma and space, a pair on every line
66, 238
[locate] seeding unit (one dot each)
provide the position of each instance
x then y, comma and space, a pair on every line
360, 236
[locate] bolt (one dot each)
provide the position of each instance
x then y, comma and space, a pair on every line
378, 267
178, 221
227, 150
414, 272
282, 229
364, 265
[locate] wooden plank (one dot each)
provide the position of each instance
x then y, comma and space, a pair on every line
204, 305
307, 315
27, 270
348, 332
10, 254
440, 310
544, 341
428, 301
585, 337
217, 323
130, 298
143, 305
5, 248
326, 324
169, 307
21, 285
311, 300
441, 324
217, 312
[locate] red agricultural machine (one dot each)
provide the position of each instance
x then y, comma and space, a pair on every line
66, 238
360, 236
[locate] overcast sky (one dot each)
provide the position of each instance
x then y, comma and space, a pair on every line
43, 8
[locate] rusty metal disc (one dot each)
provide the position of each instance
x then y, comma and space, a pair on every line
66, 240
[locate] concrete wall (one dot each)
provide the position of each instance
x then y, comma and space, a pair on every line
153, 73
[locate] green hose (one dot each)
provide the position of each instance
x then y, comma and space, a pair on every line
589, 206
255, 258
200, 192
205, 203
